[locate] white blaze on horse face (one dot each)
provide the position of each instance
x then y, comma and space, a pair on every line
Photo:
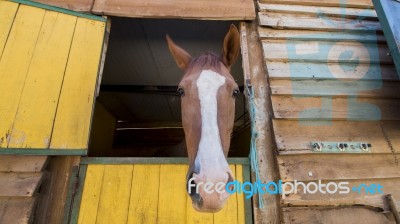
210, 157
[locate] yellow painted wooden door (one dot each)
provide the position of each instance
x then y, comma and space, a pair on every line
49, 63
142, 193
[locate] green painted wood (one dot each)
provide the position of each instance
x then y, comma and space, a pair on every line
57, 9
149, 160
73, 181
47, 152
247, 202
389, 16
76, 202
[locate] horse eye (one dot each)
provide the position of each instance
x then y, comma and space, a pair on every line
235, 93
181, 92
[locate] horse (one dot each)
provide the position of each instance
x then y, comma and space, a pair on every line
208, 91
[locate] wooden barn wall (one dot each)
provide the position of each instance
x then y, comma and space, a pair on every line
49, 61
331, 79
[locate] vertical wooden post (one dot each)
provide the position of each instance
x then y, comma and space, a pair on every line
255, 74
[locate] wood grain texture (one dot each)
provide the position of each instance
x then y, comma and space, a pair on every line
17, 210
74, 112
293, 137
376, 201
313, 87
314, 22
14, 64
264, 142
328, 108
333, 167
91, 194
343, 71
53, 191
33, 122
326, 51
337, 3
143, 203
8, 10
209, 9
356, 215
19, 184
11, 163
319, 10
75, 5
315, 35
115, 191
173, 190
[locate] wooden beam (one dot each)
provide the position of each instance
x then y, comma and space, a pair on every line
255, 70
53, 193
12, 163
215, 10
341, 214
337, 167
308, 70
316, 35
319, 10
326, 51
17, 209
313, 22
331, 108
332, 3
19, 184
294, 137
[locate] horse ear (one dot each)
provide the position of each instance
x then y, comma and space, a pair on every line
182, 58
231, 48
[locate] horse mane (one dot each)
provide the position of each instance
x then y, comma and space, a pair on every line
207, 60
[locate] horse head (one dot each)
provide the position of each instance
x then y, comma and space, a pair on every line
208, 93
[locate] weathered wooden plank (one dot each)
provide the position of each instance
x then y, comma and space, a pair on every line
75, 5
91, 194
15, 63
315, 22
12, 163
344, 71
337, 167
143, 203
328, 108
326, 51
19, 184
319, 10
355, 215
8, 10
173, 190
263, 126
38, 103
228, 214
376, 200
313, 87
389, 13
337, 3
53, 190
210, 9
294, 137
195, 217
315, 35
73, 118
114, 198
17, 210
